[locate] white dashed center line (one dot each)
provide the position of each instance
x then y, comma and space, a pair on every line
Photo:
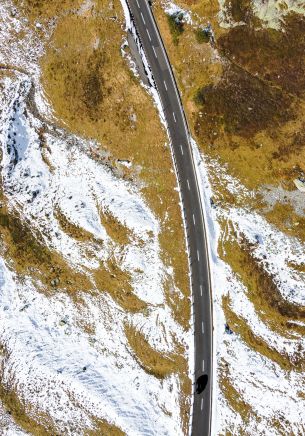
155, 52
148, 34
143, 18
202, 327
201, 403
197, 254
174, 117
181, 149
194, 219
165, 85
188, 184
202, 365
138, 4
201, 290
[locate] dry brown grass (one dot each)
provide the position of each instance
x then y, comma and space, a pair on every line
110, 278
41, 425
262, 290
94, 94
106, 115
152, 361
238, 121
29, 255
70, 228
239, 118
161, 365
297, 267
283, 216
119, 233
103, 428
41, 9
233, 397
257, 343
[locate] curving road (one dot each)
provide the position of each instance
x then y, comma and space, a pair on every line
193, 213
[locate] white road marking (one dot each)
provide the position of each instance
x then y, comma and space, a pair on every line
194, 219
165, 85
143, 18
188, 184
202, 327
138, 4
166, 60
203, 365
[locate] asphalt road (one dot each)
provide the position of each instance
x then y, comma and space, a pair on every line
193, 213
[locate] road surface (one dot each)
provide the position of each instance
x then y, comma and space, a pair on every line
197, 246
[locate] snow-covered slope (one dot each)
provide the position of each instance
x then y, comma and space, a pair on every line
65, 355
258, 269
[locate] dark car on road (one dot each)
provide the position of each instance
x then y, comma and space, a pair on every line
201, 383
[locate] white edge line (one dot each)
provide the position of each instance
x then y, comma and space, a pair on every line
168, 65
203, 210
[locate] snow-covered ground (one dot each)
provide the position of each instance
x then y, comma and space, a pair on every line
58, 367
271, 393
270, 12
60, 371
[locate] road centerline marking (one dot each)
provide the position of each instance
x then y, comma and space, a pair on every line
180, 115
198, 257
